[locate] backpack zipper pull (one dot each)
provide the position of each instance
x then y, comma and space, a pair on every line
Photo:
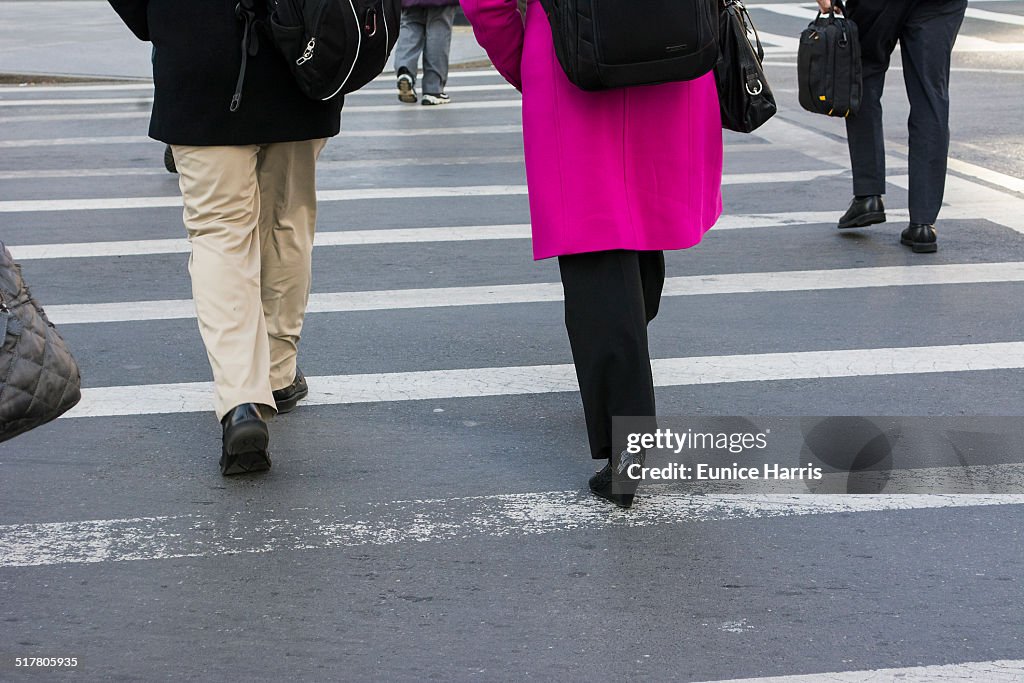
307, 53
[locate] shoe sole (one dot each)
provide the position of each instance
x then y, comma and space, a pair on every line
406, 93
290, 404
247, 450
426, 103
864, 221
920, 247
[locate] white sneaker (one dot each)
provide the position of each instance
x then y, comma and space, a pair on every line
406, 89
435, 99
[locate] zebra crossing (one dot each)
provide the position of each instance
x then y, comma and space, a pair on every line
442, 451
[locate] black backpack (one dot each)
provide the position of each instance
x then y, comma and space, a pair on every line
829, 66
603, 44
333, 47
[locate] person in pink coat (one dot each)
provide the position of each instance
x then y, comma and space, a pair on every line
615, 178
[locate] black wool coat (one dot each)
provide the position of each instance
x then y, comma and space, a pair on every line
195, 67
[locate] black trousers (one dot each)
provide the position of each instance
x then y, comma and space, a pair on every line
925, 31
610, 297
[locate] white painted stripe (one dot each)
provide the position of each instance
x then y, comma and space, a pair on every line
332, 195
355, 109
895, 67
43, 205
322, 239
454, 74
997, 671
987, 175
79, 102
406, 109
490, 295
418, 521
148, 99
1000, 17
191, 397
964, 43
109, 203
322, 166
358, 134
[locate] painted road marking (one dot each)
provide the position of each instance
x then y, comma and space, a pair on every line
418, 521
490, 295
997, 671
192, 397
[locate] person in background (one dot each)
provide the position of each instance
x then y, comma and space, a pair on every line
615, 178
925, 31
247, 178
426, 30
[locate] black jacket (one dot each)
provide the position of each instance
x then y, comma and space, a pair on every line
197, 56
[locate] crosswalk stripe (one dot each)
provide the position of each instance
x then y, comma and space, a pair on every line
46, 205
489, 295
999, 17
997, 671
964, 43
191, 397
148, 99
327, 238
373, 193
404, 109
416, 521
112, 203
454, 75
323, 166
345, 133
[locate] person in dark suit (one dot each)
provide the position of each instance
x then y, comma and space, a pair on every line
925, 31
245, 150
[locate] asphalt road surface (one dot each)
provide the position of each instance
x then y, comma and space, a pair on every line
426, 516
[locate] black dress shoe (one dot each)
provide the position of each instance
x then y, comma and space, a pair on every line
613, 483
287, 398
245, 441
863, 211
921, 238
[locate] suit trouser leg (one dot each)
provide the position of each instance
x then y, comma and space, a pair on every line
286, 174
411, 39
927, 45
222, 206
879, 23
610, 297
437, 48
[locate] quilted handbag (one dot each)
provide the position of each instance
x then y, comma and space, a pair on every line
39, 378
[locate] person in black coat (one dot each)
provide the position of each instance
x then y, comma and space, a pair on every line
247, 177
925, 31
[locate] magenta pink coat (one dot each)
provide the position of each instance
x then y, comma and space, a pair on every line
634, 168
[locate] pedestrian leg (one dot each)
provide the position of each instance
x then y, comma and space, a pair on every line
222, 207
606, 317
437, 49
410, 40
878, 23
927, 44
287, 184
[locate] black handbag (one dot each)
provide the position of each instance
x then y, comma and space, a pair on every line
39, 378
745, 99
605, 44
829, 65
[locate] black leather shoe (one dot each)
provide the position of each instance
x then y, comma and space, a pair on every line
613, 484
245, 441
921, 238
863, 211
287, 398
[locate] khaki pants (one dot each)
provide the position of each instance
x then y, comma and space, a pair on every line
250, 213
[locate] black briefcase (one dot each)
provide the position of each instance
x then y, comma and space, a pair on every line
829, 66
